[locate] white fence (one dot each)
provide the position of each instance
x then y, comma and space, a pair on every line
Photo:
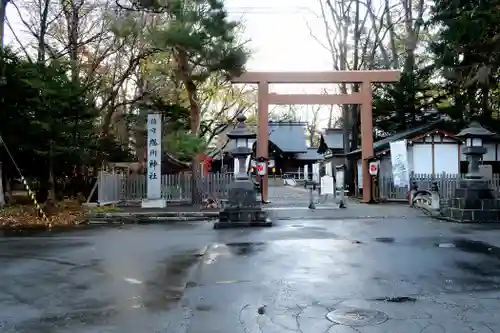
116, 187
446, 184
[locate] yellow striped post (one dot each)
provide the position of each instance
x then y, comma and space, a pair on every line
32, 196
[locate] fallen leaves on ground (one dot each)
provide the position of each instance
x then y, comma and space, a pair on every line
64, 213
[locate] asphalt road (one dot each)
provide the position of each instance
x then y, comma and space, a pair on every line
395, 274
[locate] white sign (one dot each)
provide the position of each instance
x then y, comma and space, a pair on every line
154, 156
339, 175
270, 163
327, 185
261, 168
373, 168
328, 169
315, 172
399, 162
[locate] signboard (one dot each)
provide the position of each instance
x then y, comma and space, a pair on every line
373, 168
339, 175
328, 169
154, 156
399, 162
486, 171
270, 163
261, 168
315, 172
327, 185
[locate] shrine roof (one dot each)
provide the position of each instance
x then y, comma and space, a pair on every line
288, 136
310, 155
333, 138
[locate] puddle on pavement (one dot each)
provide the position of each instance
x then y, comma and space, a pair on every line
483, 269
385, 239
478, 247
246, 248
355, 317
482, 273
445, 245
166, 285
203, 307
400, 299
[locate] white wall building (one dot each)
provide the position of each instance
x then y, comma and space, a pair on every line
430, 152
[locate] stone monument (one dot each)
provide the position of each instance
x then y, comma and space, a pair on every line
474, 200
154, 152
242, 209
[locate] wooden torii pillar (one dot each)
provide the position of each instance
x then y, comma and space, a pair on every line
364, 98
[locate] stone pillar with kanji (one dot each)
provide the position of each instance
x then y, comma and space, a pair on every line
154, 197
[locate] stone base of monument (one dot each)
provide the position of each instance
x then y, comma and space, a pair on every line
474, 202
153, 203
243, 209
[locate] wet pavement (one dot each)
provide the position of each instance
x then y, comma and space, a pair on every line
391, 275
397, 274
97, 280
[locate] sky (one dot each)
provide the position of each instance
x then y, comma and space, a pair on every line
279, 34
280, 40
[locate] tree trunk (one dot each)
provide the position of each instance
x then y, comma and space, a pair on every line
2, 197
51, 189
392, 35
354, 112
485, 104
196, 195
42, 33
194, 113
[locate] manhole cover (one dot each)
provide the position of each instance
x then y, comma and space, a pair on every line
357, 317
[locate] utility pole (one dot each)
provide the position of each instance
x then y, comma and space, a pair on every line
3, 5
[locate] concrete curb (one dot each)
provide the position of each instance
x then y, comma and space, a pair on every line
149, 217
146, 220
154, 214
440, 217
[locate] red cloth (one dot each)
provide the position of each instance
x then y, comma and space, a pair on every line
207, 164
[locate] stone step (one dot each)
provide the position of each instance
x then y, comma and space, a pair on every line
483, 204
471, 215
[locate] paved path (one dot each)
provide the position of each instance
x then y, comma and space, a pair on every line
422, 275
374, 275
293, 202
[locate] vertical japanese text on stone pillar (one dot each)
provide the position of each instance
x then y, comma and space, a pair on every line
154, 156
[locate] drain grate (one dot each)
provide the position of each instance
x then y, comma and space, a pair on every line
357, 317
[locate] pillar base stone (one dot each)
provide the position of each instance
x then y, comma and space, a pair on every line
154, 203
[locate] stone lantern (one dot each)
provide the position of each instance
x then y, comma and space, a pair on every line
241, 136
242, 208
474, 148
474, 201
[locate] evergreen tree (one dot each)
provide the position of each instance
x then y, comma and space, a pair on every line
202, 42
467, 56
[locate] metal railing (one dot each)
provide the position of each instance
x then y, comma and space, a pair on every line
446, 183
116, 187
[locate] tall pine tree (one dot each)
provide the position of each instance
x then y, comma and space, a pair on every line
467, 55
202, 42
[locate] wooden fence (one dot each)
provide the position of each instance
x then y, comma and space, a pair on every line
446, 185
116, 187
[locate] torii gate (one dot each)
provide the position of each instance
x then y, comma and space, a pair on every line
364, 98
